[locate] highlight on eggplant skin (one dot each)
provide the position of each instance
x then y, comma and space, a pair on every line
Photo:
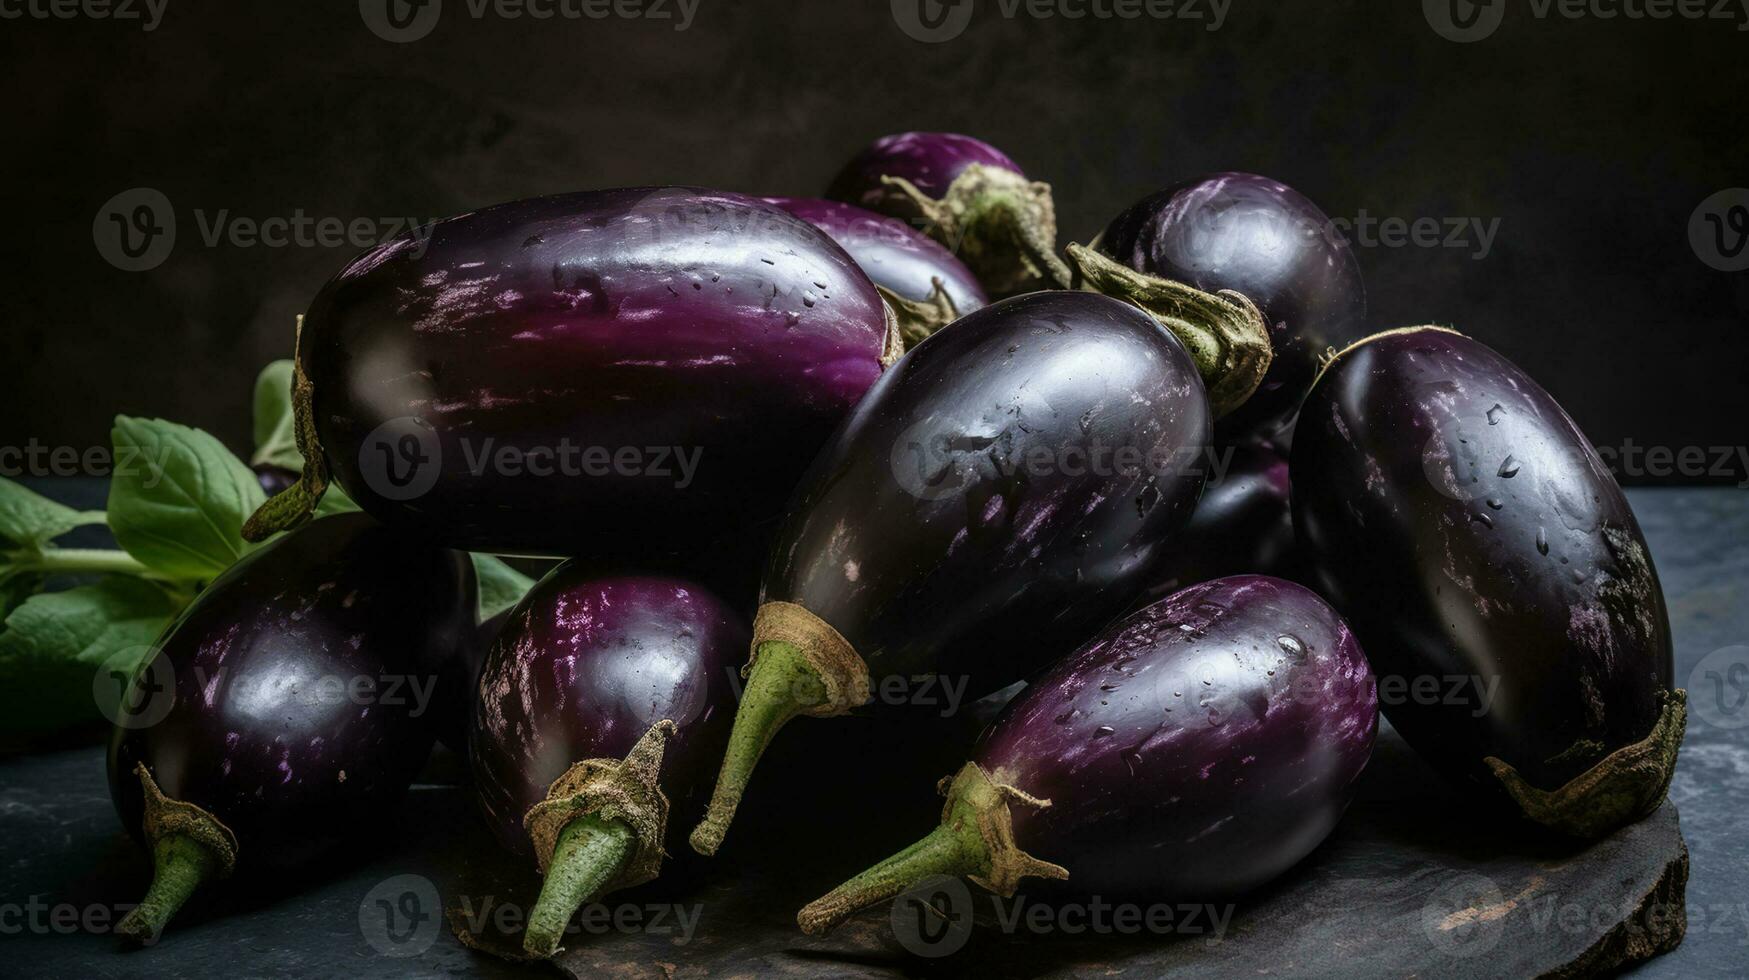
726, 333
579, 681
582, 668
1259, 237
929, 537
894, 254
281, 716
958, 524
1476, 541
1193, 750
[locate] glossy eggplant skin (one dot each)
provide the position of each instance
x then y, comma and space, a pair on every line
658, 323
267, 731
1472, 534
960, 523
1194, 750
930, 161
894, 254
1261, 238
583, 668
1242, 526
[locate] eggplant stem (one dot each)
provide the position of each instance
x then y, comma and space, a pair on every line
1624, 787
918, 319
1003, 226
943, 851
180, 864
1224, 332
975, 840
297, 503
781, 685
592, 851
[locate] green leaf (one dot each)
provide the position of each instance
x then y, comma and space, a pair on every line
178, 498
56, 643
14, 589
335, 501
29, 520
276, 440
500, 585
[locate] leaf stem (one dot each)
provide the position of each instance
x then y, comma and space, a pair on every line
78, 561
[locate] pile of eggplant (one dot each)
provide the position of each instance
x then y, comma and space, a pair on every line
1168, 479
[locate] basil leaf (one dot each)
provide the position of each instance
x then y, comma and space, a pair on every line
335, 501
14, 589
61, 651
276, 439
29, 520
500, 585
178, 498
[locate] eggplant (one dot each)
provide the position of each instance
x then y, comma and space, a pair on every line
1243, 525
1254, 236
962, 525
922, 281
274, 479
1192, 751
967, 195
603, 703
497, 382
282, 713
1495, 573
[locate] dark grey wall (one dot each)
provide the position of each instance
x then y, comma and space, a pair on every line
1591, 141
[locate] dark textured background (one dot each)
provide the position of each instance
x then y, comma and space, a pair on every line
1591, 141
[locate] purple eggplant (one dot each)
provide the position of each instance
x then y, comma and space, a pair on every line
1253, 236
1006, 488
1495, 573
274, 479
498, 382
603, 703
1242, 526
1194, 750
920, 279
967, 195
283, 712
